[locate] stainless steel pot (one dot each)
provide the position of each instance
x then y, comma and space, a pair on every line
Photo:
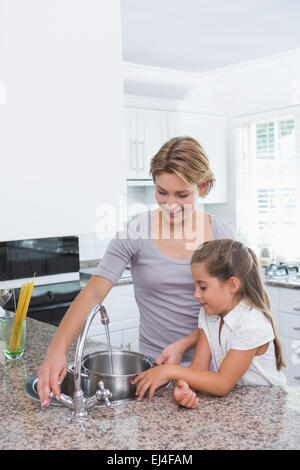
96, 367
126, 366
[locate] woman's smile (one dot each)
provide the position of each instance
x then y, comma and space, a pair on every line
173, 212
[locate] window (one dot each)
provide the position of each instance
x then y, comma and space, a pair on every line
268, 185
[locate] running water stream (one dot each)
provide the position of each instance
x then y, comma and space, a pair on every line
105, 322
109, 349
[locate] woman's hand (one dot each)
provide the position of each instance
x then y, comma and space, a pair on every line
171, 354
184, 395
50, 374
151, 379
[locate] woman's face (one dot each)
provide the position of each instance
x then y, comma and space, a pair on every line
176, 198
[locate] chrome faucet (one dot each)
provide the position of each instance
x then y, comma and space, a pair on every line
79, 403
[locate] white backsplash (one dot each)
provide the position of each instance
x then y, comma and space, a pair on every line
90, 247
139, 199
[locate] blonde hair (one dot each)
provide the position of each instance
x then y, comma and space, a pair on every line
185, 157
226, 258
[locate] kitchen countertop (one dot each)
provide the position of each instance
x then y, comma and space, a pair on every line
86, 273
292, 282
247, 418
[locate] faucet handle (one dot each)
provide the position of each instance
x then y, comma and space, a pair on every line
103, 394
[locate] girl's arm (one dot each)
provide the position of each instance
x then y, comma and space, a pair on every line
202, 354
172, 354
201, 361
233, 367
183, 394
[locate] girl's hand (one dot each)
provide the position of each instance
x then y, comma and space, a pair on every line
171, 354
151, 379
184, 395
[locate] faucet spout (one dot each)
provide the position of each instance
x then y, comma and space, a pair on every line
80, 346
79, 402
103, 314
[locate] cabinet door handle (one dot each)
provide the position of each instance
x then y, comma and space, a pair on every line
134, 155
297, 328
297, 378
297, 309
141, 146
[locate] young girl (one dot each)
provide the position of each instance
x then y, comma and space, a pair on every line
236, 329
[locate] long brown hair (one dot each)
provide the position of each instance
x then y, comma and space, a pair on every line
185, 157
228, 258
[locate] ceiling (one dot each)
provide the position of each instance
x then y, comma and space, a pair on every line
202, 35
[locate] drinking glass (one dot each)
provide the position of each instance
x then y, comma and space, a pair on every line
14, 345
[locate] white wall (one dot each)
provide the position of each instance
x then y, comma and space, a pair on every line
61, 144
269, 83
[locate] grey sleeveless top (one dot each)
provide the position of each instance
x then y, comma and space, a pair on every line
163, 286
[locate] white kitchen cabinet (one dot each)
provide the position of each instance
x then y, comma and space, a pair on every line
211, 132
290, 300
290, 329
292, 358
285, 305
149, 124
131, 142
124, 318
116, 338
273, 294
131, 339
145, 133
290, 325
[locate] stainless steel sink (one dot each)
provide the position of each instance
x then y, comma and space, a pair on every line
87, 380
67, 387
120, 384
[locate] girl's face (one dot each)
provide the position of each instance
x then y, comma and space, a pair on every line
176, 198
217, 298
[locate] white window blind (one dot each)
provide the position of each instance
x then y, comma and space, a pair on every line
268, 185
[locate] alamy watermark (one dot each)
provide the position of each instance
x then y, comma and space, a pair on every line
295, 358
2, 92
141, 221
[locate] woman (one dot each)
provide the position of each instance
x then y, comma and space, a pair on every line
159, 246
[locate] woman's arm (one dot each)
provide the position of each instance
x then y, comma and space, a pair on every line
172, 354
53, 368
